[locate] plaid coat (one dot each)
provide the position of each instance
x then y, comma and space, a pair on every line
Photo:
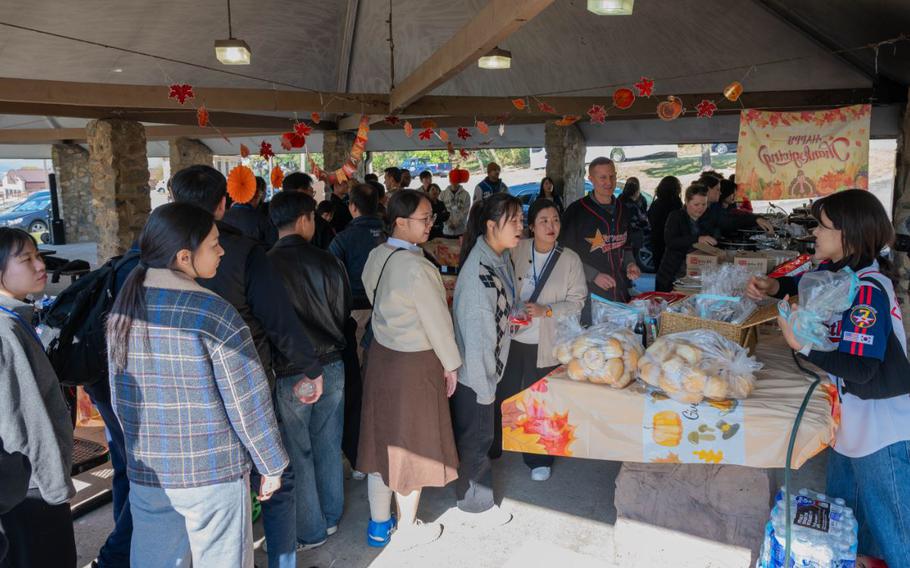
193, 400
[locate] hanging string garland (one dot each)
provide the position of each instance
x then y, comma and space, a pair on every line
349, 167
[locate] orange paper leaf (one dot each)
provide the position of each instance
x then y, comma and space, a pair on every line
482, 127
520, 104
315, 118
443, 135
427, 123
544, 107
202, 116
408, 128
244, 151
568, 120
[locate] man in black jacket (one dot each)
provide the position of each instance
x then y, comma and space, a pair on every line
341, 216
249, 282
250, 219
299, 181
321, 298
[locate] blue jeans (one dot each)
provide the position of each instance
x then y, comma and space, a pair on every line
211, 524
313, 442
877, 487
279, 520
115, 553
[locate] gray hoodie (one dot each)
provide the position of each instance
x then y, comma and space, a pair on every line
483, 297
34, 419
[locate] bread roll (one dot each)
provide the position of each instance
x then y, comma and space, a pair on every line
594, 360
631, 359
694, 381
575, 370
650, 373
667, 385
675, 368
716, 388
660, 349
563, 354
688, 353
624, 380
686, 397
615, 369
741, 387
612, 348
580, 345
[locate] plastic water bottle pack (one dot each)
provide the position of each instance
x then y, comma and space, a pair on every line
823, 535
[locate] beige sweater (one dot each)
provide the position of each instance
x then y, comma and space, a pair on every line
565, 291
410, 312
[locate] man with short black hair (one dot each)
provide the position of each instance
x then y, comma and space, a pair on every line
321, 298
490, 184
371, 177
339, 200
405, 178
392, 180
299, 181
426, 178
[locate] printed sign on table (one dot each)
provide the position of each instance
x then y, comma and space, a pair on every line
796, 155
707, 432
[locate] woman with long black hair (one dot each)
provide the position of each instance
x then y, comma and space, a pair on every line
548, 191
193, 399
667, 199
484, 295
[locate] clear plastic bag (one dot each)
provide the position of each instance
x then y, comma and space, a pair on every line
722, 296
822, 295
622, 315
604, 353
693, 365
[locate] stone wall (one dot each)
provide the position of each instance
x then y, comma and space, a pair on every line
565, 147
120, 182
902, 210
189, 152
74, 190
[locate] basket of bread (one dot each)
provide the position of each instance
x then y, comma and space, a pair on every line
603, 354
693, 365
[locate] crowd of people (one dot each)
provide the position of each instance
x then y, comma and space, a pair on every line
259, 345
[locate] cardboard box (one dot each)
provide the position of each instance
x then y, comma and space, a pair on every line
763, 261
704, 255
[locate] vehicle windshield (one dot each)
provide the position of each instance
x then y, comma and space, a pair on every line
32, 205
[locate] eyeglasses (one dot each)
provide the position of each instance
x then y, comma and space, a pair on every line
425, 220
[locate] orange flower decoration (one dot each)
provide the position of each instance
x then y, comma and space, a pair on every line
241, 184
277, 177
244, 151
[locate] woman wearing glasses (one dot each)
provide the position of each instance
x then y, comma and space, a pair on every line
406, 440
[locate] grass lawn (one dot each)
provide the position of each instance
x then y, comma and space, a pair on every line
688, 166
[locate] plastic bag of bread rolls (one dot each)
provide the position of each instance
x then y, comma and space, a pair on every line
603, 354
693, 365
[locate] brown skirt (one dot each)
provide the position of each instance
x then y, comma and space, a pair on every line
405, 429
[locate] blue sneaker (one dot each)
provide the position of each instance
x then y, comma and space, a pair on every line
379, 534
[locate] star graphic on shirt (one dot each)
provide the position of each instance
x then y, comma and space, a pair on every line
597, 241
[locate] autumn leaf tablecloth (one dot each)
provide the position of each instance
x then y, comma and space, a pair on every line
561, 417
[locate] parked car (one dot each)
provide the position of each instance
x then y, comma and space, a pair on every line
32, 214
417, 165
723, 148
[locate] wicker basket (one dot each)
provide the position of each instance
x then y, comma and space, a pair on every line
745, 334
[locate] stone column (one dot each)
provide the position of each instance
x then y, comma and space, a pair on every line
565, 147
120, 182
901, 211
189, 152
336, 147
74, 184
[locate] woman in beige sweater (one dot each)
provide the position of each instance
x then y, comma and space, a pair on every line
406, 440
551, 283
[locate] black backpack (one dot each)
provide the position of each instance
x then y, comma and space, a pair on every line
76, 322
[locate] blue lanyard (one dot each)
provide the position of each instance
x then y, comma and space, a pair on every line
27, 325
545, 263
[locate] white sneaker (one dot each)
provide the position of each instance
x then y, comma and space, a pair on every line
540, 473
489, 519
358, 475
420, 533
304, 547
331, 530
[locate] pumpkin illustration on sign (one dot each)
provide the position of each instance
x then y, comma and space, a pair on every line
670, 109
623, 98
668, 429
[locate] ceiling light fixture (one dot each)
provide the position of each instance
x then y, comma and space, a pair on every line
611, 7
496, 59
232, 51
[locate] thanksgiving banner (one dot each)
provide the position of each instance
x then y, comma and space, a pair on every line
801, 155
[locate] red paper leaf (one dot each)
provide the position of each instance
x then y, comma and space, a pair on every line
425, 134
244, 151
463, 133
265, 150
293, 140
482, 127
443, 135
301, 129
706, 108
520, 104
544, 107
645, 87
568, 120
597, 113
623, 98
392, 119
202, 116
181, 92
286, 141
315, 118
463, 153
408, 128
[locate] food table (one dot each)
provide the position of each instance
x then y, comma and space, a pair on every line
699, 470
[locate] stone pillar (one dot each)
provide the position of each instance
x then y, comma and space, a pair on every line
189, 152
901, 211
120, 182
74, 184
565, 147
336, 147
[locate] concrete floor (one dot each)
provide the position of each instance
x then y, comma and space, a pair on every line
568, 519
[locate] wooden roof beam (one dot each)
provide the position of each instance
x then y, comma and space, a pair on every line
490, 26
57, 135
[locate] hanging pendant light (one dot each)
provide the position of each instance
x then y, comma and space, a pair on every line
496, 59
232, 51
611, 7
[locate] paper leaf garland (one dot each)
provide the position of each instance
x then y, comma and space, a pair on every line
623, 98
519, 104
302, 129
443, 135
408, 128
544, 107
181, 92
277, 177
463, 133
392, 119
427, 123
706, 108
568, 120
645, 87
597, 113
425, 134
315, 117
202, 116
482, 127
265, 150
244, 151
241, 184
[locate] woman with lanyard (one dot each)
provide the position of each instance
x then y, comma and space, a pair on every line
34, 420
484, 298
551, 283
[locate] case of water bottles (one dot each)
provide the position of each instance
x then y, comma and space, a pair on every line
823, 535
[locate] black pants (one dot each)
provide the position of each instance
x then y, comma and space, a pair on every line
353, 394
473, 425
39, 534
521, 372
